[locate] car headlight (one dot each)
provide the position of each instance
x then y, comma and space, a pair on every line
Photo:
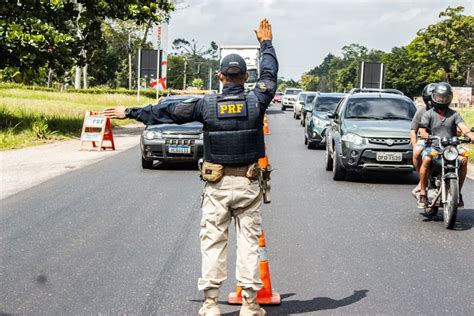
450, 153
353, 138
318, 122
151, 135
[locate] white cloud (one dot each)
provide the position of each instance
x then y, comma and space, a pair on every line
306, 31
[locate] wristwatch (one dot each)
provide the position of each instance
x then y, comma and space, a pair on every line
127, 111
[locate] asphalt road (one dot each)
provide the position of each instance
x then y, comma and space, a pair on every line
112, 239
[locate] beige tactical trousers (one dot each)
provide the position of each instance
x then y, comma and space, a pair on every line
240, 198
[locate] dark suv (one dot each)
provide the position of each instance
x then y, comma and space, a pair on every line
370, 131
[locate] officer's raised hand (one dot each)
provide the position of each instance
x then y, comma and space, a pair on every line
115, 113
264, 32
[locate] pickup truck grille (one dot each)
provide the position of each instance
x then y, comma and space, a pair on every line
389, 141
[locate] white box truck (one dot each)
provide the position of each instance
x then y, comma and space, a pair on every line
251, 55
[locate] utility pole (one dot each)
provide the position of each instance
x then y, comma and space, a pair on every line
138, 72
77, 82
210, 78
129, 61
184, 74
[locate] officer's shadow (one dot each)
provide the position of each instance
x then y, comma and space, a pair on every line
316, 304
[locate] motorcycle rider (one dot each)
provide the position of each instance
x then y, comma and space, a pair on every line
441, 121
419, 144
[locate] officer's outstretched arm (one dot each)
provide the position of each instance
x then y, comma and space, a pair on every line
267, 82
184, 112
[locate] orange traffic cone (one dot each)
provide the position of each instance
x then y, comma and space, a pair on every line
266, 296
266, 129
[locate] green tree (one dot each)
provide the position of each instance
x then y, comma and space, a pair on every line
440, 52
56, 34
199, 61
284, 83
309, 82
197, 83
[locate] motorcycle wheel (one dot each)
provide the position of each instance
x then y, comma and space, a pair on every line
451, 207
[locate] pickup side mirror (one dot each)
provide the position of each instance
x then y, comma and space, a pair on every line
306, 110
332, 115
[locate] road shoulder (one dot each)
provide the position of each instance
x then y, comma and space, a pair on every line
470, 171
24, 168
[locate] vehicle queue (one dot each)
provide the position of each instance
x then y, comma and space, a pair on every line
381, 130
364, 130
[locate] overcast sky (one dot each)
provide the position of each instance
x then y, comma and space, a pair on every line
305, 31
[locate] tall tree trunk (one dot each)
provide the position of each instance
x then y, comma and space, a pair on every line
77, 82
50, 77
145, 35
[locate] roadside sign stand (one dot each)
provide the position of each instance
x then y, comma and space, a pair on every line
96, 130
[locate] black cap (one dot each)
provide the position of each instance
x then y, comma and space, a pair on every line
233, 64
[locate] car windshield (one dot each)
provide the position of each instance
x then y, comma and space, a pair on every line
253, 75
292, 91
309, 99
380, 109
326, 104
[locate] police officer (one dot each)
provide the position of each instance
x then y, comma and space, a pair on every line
233, 143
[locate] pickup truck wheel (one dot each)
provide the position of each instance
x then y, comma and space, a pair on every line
283, 108
147, 164
305, 140
338, 171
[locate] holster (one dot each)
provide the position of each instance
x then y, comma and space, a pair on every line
264, 181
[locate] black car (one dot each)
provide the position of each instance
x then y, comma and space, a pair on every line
171, 142
316, 118
370, 131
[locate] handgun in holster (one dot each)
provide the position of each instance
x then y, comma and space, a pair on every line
264, 180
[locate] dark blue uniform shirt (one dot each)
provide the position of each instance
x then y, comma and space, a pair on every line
194, 109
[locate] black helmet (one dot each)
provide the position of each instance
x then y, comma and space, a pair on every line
442, 95
426, 94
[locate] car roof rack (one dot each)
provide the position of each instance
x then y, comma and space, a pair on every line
372, 90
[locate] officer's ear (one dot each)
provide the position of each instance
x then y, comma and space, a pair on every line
220, 76
246, 76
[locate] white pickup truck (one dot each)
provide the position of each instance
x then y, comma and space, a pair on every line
288, 100
251, 55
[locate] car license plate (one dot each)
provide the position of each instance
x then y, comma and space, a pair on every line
179, 149
387, 156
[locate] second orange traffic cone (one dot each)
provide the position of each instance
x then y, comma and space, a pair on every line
266, 296
266, 129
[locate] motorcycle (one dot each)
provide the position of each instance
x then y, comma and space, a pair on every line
443, 182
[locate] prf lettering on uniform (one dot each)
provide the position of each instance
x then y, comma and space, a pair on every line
228, 109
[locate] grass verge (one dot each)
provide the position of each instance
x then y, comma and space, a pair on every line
29, 118
468, 116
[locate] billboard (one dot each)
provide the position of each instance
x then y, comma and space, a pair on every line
372, 75
148, 63
462, 97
